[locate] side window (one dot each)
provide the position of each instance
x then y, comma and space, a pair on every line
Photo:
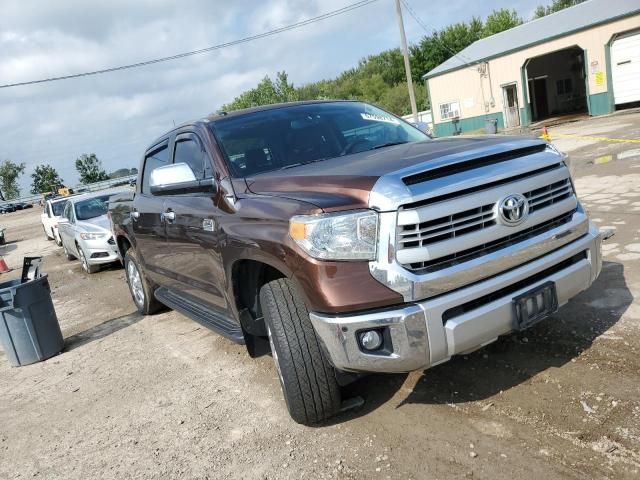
157, 158
66, 213
188, 151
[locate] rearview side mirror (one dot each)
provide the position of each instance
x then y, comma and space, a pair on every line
178, 179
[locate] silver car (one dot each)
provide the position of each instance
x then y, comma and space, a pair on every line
85, 230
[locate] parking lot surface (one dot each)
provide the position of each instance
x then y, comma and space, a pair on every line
162, 397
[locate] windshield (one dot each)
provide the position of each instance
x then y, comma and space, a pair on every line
92, 207
58, 207
291, 136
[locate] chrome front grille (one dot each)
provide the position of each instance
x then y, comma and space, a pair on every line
547, 196
432, 231
484, 249
440, 234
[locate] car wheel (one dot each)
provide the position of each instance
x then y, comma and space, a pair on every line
308, 381
67, 254
46, 234
57, 239
85, 263
141, 289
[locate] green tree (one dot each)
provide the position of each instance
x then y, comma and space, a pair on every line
556, 6
90, 169
441, 45
45, 179
500, 20
267, 92
9, 174
123, 172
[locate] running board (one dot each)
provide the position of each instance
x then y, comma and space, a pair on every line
202, 314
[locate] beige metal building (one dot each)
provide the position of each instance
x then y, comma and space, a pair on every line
582, 59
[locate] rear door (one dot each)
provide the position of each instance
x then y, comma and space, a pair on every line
193, 236
147, 220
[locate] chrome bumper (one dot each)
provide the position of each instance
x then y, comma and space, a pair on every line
420, 338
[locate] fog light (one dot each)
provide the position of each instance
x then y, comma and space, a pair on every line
371, 340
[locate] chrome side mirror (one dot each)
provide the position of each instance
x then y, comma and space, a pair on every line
178, 179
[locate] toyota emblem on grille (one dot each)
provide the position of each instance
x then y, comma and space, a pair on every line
513, 209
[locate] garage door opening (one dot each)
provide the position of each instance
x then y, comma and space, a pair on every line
556, 83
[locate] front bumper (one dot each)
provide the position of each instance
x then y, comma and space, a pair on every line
426, 333
99, 252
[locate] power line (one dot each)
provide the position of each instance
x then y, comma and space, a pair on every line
431, 32
220, 46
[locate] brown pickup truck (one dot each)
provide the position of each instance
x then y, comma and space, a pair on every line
344, 240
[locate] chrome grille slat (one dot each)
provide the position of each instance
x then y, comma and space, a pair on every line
446, 225
432, 234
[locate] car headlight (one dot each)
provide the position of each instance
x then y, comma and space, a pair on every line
337, 236
92, 236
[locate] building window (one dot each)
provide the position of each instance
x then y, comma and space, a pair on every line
449, 110
564, 86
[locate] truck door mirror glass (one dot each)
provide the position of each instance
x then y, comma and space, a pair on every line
178, 179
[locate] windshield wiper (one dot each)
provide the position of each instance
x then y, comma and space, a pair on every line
299, 164
389, 144
291, 166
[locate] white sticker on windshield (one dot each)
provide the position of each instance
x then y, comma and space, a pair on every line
380, 118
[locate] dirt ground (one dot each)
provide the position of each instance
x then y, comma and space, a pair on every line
161, 397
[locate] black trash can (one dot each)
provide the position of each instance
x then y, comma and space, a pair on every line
29, 329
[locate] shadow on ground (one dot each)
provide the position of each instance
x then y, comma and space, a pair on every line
513, 359
101, 331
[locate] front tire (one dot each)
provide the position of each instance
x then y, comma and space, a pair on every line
85, 262
67, 254
308, 381
140, 288
46, 234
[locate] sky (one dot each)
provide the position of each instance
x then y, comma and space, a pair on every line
116, 115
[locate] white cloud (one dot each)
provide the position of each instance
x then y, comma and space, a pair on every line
116, 115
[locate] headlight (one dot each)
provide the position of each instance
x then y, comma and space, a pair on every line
337, 236
92, 236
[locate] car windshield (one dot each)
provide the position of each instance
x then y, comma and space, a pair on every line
58, 207
92, 207
291, 136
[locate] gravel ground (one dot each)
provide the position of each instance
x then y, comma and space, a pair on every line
161, 397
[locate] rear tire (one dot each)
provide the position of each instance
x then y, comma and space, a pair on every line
308, 381
140, 288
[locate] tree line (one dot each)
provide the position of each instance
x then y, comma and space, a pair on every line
380, 78
45, 178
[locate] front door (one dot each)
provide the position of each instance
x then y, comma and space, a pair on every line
510, 100
147, 220
540, 98
193, 234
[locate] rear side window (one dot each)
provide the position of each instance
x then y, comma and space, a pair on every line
157, 158
57, 208
188, 151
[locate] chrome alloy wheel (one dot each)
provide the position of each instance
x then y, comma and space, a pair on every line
135, 283
83, 259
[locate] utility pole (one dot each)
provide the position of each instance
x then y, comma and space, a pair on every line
407, 65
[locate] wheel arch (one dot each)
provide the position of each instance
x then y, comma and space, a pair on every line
247, 278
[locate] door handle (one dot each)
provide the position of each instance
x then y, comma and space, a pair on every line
169, 216
135, 215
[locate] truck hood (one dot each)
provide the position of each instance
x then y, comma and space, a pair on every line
97, 225
346, 182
